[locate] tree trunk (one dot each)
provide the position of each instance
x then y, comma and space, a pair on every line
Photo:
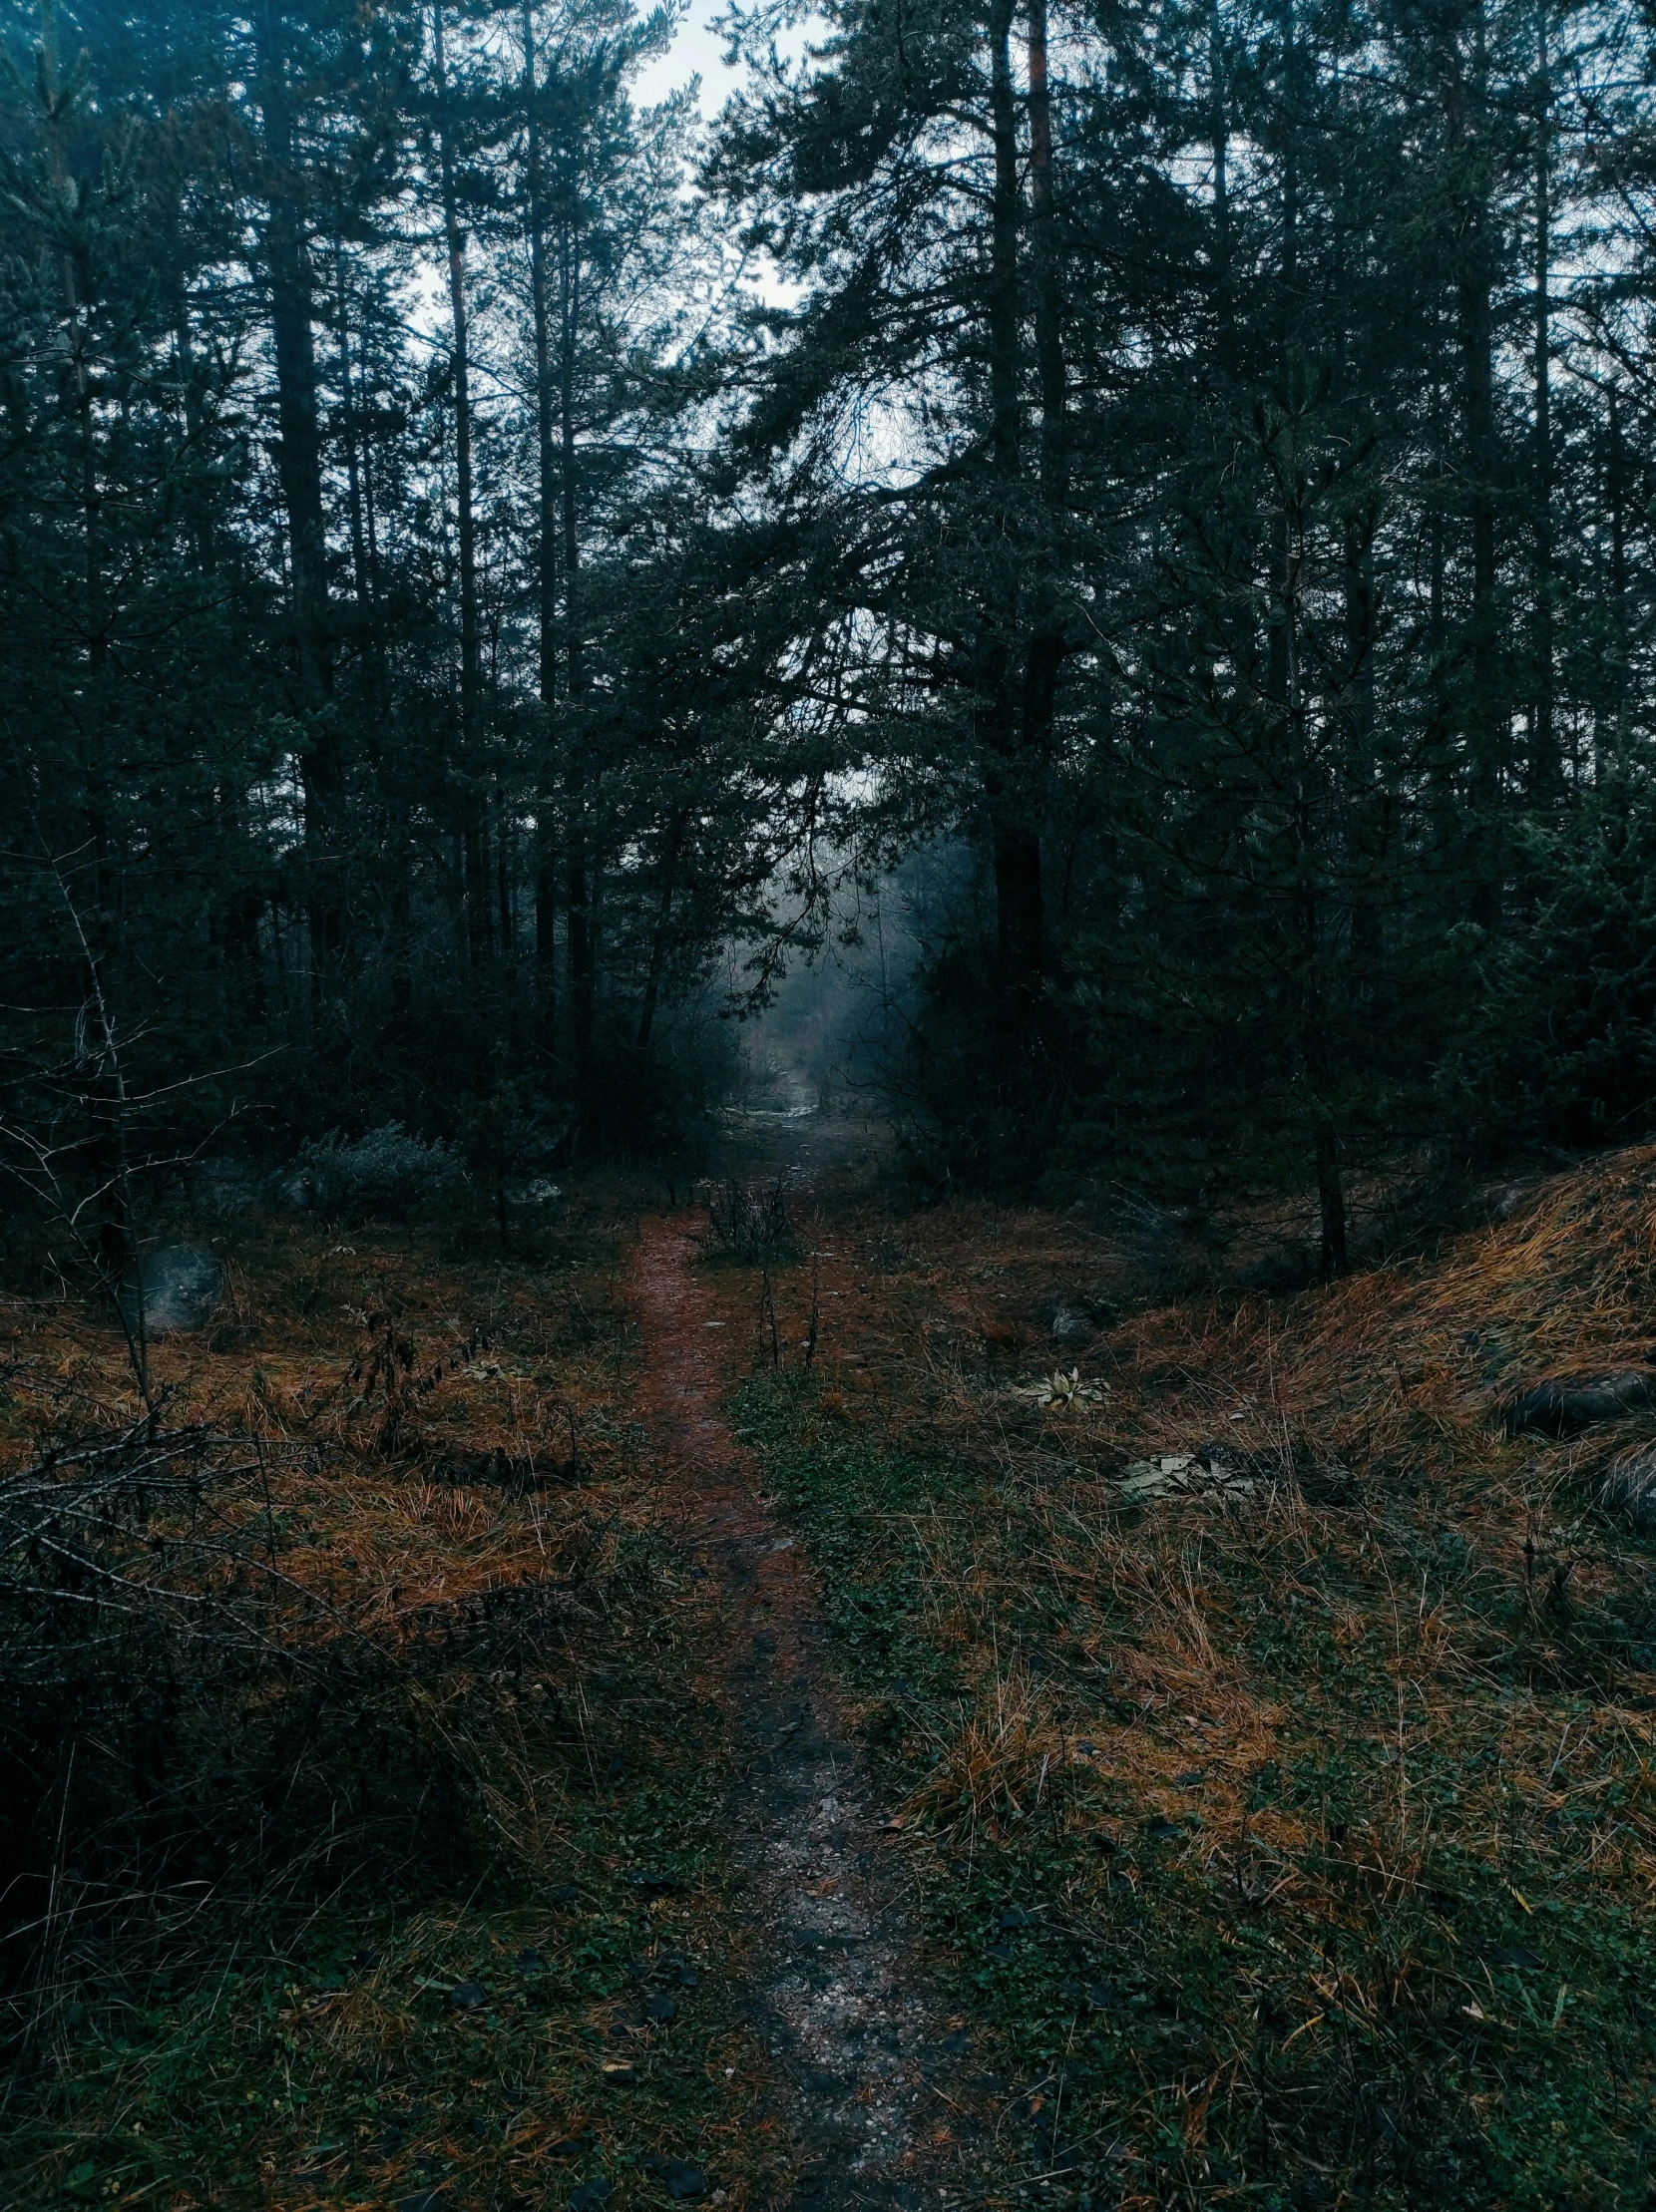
104, 1095
582, 937
360, 571
479, 937
1331, 1205
1012, 783
664, 924
1047, 643
1485, 719
1615, 498
321, 757
546, 413
1049, 302
1546, 779
503, 871
1224, 296
1002, 268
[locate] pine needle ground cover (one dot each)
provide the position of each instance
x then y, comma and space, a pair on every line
401, 1883
1286, 1841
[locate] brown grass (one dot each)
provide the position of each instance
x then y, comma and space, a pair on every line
1401, 1696
475, 1607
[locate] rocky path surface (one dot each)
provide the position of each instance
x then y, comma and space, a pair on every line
835, 1997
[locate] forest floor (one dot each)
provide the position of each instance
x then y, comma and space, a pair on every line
839, 1770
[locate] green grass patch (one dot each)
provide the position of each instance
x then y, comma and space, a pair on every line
1249, 1888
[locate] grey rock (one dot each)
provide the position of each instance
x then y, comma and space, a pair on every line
179, 1289
1564, 1404
1071, 1326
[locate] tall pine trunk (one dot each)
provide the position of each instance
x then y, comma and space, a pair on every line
1484, 718
1615, 501
473, 802
1011, 782
1047, 645
582, 934
321, 753
97, 1063
546, 578
662, 935
1546, 767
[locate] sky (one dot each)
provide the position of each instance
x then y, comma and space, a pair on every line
697, 50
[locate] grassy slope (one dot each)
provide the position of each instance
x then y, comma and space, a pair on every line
1288, 1853
501, 1711
1294, 1853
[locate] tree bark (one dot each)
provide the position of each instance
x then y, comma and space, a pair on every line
1486, 720
295, 341
1224, 296
1003, 272
479, 937
546, 428
1331, 1205
1011, 784
1048, 301
321, 756
104, 1096
1547, 780
1047, 643
1615, 498
663, 924
582, 933
362, 575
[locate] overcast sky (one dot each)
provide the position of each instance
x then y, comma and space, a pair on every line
697, 51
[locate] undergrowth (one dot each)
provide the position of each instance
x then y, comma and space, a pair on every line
395, 1877
1293, 1851
1287, 1845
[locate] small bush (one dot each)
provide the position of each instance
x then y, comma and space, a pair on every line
388, 1172
750, 1221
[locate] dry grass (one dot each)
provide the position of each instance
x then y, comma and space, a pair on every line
1293, 1775
477, 1704
1294, 1850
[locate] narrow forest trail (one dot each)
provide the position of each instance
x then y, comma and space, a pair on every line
834, 1994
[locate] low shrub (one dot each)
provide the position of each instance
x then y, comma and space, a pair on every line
387, 1173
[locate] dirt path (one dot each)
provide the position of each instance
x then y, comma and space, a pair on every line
834, 1998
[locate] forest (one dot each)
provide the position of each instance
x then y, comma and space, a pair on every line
494, 575
860, 853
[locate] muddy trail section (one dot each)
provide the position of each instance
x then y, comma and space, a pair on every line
834, 1996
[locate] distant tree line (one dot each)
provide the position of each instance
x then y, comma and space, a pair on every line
473, 549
